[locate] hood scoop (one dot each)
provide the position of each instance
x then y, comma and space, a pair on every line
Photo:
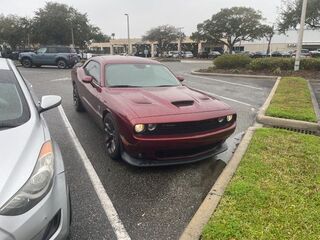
183, 103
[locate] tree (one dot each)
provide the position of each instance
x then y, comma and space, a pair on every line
14, 30
268, 33
164, 35
230, 26
291, 13
55, 23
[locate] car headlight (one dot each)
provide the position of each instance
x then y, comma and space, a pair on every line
37, 186
229, 118
139, 128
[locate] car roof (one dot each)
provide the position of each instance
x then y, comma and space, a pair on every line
123, 60
4, 65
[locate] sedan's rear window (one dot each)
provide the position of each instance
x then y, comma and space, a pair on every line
139, 75
13, 107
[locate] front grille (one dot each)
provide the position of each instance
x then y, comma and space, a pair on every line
181, 128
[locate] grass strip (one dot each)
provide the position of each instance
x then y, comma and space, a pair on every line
292, 100
275, 193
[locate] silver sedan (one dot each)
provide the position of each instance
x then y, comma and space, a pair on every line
34, 195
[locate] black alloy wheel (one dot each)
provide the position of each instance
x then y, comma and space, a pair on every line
62, 64
26, 62
112, 138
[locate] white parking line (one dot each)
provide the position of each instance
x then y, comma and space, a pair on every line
218, 80
106, 203
226, 98
61, 79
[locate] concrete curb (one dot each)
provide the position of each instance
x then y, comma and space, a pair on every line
315, 103
282, 122
233, 75
194, 229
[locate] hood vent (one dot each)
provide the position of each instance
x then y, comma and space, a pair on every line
183, 103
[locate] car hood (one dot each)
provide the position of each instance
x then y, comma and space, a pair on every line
159, 101
20, 147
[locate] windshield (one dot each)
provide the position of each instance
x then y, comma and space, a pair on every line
139, 75
13, 108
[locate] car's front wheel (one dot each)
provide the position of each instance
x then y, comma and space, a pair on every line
26, 62
112, 137
76, 100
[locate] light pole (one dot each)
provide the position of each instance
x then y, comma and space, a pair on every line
180, 38
129, 46
72, 37
300, 38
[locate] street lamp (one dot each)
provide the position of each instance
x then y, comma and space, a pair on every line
129, 46
300, 38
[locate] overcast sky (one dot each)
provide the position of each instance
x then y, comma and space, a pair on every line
145, 14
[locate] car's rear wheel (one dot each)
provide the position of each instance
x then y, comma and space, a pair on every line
76, 100
26, 62
112, 137
62, 64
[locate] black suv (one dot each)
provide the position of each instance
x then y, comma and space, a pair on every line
60, 56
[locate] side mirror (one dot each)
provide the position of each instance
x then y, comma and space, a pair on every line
48, 102
181, 79
87, 79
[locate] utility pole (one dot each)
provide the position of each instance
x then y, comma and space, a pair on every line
180, 38
300, 38
72, 37
128, 28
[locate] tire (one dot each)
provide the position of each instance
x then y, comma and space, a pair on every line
112, 137
26, 62
62, 64
76, 100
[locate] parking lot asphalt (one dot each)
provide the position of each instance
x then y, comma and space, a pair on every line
152, 203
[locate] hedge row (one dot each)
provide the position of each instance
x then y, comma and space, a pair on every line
270, 64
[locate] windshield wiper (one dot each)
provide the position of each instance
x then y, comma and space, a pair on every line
8, 125
123, 86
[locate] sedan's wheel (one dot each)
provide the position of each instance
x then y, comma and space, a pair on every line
76, 100
26, 62
112, 138
62, 64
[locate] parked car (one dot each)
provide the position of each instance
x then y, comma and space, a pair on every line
148, 116
315, 53
60, 56
187, 54
280, 54
174, 54
304, 53
214, 54
34, 195
15, 54
259, 54
203, 54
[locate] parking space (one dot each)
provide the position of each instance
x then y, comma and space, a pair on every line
151, 203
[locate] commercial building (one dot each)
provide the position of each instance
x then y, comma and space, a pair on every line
280, 42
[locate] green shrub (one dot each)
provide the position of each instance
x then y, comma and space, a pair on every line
310, 64
272, 64
232, 61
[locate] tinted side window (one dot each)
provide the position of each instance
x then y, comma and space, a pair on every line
51, 50
93, 69
64, 50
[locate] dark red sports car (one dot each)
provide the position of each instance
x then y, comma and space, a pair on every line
148, 116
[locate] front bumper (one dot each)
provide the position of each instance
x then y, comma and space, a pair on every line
50, 217
172, 150
217, 149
